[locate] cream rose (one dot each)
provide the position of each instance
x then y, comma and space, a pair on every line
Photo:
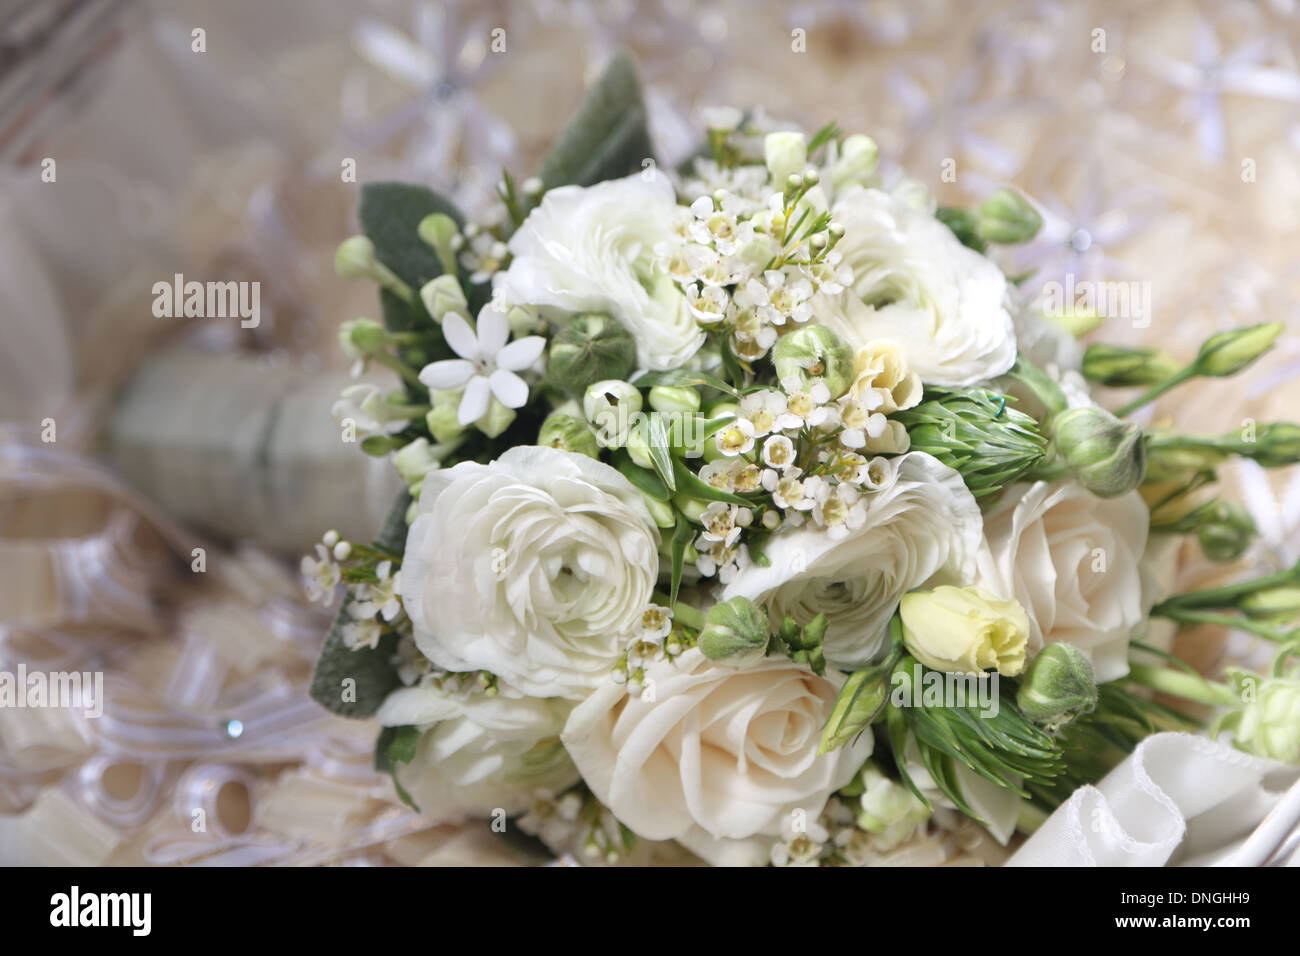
478, 753
719, 759
535, 567
921, 529
592, 250
914, 283
1072, 561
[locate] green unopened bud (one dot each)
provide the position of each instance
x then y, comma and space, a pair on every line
1076, 320
1279, 602
692, 508
735, 632
1180, 465
889, 809
1269, 725
612, 406
443, 422
1228, 532
588, 349
524, 321
414, 461
1007, 217
785, 155
638, 448
362, 337
568, 433
1058, 687
661, 512
1120, 367
438, 230
355, 259
1107, 456
443, 295
497, 419
1229, 352
674, 399
1276, 445
814, 353
380, 446
856, 161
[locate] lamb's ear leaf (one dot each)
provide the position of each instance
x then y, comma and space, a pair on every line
608, 137
354, 683
390, 217
396, 745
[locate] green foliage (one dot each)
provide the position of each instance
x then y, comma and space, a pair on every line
607, 138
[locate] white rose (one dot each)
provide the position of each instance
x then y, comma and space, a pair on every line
534, 567
921, 530
592, 250
719, 760
916, 284
1072, 561
478, 753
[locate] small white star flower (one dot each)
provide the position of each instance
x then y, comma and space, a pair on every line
487, 365
322, 575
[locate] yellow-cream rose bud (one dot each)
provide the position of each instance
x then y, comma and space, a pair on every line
965, 630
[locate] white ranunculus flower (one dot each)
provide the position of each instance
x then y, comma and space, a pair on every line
478, 753
914, 283
535, 567
592, 249
921, 530
719, 759
1072, 561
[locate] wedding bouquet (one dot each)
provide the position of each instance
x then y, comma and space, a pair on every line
754, 516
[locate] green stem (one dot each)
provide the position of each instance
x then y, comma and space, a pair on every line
1190, 616
401, 368
1228, 595
1191, 687
1182, 375
688, 616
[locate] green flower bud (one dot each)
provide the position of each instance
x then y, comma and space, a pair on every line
963, 224
1107, 456
1269, 725
524, 321
785, 154
1227, 534
380, 446
1007, 217
1179, 465
362, 337
497, 419
443, 295
692, 508
612, 406
438, 230
1058, 687
856, 161
443, 422
889, 809
661, 512
638, 448
674, 399
735, 632
1229, 352
568, 433
414, 461
355, 258
1276, 445
588, 349
1120, 367
814, 353
1283, 602
1077, 321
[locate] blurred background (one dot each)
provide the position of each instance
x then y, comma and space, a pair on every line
160, 476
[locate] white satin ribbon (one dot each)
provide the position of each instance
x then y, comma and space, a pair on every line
1176, 798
